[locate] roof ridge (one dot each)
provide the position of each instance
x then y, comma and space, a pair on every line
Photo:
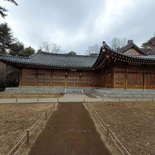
15, 56
130, 45
42, 52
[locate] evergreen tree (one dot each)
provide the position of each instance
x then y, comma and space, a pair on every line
71, 53
27, 52
16, 48
6, 38
3, 10
149, 46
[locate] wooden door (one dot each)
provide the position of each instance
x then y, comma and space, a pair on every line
73, 79
58, 78
28, 77
44, 77
119, 80
150, 81
134, 80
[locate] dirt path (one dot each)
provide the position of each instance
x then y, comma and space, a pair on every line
69, 131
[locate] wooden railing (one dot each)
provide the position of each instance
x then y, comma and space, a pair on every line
26, 137
109, 133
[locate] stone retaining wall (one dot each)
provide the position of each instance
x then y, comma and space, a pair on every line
115, 93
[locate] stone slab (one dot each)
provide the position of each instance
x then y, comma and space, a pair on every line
128, 99
144, 99
27, 100
7, 100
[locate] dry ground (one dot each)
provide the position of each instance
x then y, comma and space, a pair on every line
133, 123
30, 95
15, 119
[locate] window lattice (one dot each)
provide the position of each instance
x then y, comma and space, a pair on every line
87, 80
59, 79
43, 79
28, 79
73, 79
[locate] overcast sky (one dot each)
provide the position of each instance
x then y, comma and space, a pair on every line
77, 24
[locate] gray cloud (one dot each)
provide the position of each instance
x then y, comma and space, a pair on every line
77, 24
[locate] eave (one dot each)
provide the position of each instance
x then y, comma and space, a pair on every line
107, 55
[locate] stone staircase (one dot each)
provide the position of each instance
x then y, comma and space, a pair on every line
74, 90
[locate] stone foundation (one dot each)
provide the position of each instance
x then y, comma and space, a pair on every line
125, 93
102, 92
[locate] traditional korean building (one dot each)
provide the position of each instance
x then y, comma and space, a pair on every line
128, 67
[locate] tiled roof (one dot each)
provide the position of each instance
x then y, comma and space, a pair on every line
44, 59
129, 46
65, 61
107, 55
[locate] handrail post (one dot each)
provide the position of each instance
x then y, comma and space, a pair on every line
93, 112
58, 100
108, 131
46, 115
27, 136
16, 100
53, 105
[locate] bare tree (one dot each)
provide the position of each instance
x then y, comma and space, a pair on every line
50, 47
117, 43
93, 49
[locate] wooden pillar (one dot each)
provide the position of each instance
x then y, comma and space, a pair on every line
51, 78
36, 78
144, 82
94, 80
106, 79
66, 78
126, 77
80, 79
21, 76
113, 77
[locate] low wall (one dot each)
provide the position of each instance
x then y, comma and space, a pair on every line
125, 93
47, 90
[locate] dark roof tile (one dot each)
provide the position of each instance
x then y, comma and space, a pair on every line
129, 46
53, 60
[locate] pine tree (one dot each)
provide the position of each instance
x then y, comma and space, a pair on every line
6, 38
3, 10
27, 52
149, 46
16, 48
